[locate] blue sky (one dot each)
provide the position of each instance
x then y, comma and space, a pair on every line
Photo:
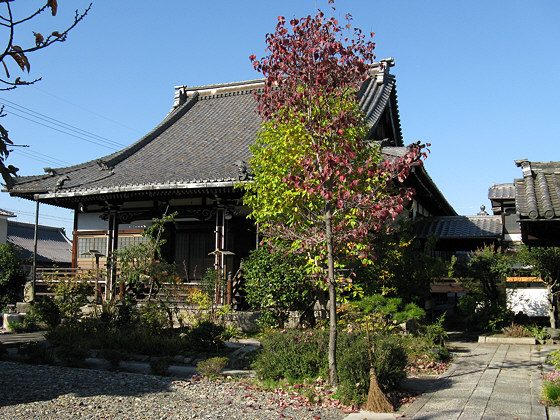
479, 80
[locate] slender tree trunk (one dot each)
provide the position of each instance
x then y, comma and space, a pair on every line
551, 306
333, 371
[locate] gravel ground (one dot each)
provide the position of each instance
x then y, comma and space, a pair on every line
51, 392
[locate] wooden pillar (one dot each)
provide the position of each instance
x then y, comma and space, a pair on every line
35, 238
112, 245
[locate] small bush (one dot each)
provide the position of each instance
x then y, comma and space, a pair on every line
36, 353
541, 334
293, 354
72, 354
113, 356
551, 389
159, 366
554, 358
206, 336
48, 311
514, 330
436, 332
212, 367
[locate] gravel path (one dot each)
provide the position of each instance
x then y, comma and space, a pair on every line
51, 392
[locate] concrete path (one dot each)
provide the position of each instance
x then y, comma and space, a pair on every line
486, 381
14, 339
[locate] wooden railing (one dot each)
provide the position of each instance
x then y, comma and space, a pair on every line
47, 277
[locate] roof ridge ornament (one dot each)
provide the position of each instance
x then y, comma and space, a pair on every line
483, 211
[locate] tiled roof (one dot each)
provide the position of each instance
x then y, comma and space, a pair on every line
503, 191
52, 243
537, 194
468, 227
200, 144
6, 213
375, 94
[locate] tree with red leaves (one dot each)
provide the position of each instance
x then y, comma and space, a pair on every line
318, 183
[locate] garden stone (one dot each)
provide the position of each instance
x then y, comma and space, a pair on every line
23, 307
8, 318
178, 359
140, 357
554, 333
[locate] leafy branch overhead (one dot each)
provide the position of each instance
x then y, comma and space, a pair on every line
17, 52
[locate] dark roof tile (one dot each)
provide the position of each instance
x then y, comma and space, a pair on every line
468, 227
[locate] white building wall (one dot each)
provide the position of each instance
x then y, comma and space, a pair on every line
93, 221
532, 302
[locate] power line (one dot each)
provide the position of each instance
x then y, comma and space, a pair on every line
68, 128
89, 111
39, 157
41, 216
64, 132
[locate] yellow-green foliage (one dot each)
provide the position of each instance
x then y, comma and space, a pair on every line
212, 366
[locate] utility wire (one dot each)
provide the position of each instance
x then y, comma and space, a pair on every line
60, 123
69, 129
41, 216
69, 134
89, 111
39, 157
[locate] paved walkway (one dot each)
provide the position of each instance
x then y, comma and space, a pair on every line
487, 381
14, 339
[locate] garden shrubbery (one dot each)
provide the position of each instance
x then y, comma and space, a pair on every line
296, 355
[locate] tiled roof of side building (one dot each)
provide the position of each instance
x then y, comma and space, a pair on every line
52, 243
6, 213
502, 191
537, 194
460, 227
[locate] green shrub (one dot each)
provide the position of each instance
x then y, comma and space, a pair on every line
160, 366
483, 314
72, 354
36, 353
551, 389
293, 354
48, 311
206, 336
268, 319
276, 281
16, 326
12, 279
554, 358
541, 334
230, 331
113, 356
155, 317
212, 367
436, 332
297, 355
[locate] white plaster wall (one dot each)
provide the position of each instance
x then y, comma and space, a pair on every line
93, 221
532, 302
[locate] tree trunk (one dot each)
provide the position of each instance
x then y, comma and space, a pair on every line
333, 371
551, 306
